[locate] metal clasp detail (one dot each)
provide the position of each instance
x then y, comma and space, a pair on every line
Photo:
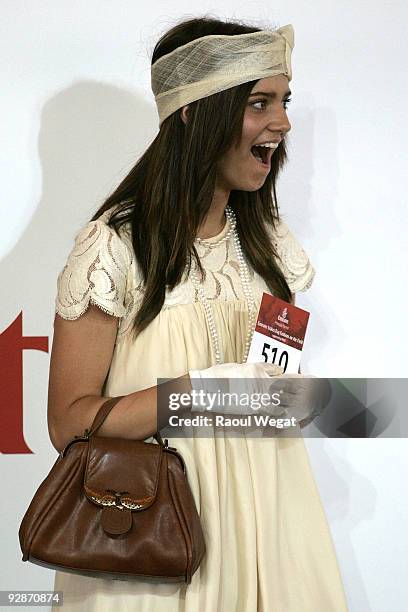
118, 498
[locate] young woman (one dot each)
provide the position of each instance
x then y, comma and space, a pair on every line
165, 281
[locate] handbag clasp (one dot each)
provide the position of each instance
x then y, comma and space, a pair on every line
118, 498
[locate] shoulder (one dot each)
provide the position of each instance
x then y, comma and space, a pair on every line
96, 270
98, 237
293, 260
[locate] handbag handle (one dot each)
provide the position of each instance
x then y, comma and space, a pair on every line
103, 412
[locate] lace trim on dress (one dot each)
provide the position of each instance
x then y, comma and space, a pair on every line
95, 272
294, 262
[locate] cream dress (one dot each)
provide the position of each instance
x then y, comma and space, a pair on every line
269, 548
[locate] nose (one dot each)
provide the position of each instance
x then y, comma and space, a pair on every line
279, 122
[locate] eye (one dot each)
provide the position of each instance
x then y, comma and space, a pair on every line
258, 102
264, 102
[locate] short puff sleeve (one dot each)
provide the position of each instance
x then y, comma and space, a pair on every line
294, 262
95, 272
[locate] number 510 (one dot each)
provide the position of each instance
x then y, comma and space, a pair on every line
283, 357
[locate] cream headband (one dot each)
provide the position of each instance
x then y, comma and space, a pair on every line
214, 63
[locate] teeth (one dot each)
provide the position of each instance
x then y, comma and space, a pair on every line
269, 145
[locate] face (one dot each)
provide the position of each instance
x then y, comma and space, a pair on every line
265, 121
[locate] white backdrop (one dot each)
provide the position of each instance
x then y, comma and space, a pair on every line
76, 113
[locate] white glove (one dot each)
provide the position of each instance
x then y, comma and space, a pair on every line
246, 380
302, 396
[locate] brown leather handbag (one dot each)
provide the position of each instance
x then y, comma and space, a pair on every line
115, 508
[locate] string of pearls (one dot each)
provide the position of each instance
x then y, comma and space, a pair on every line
231, 218
246, 286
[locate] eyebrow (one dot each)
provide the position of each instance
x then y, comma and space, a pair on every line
272, 96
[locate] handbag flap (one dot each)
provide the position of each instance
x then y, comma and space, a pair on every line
122, 472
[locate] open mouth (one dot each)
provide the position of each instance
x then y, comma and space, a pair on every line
262, 154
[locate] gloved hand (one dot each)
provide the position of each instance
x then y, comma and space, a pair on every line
302, 396
246, 380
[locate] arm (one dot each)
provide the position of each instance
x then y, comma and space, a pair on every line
81, 355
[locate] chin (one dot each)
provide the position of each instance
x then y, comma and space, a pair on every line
254, 186
248, 185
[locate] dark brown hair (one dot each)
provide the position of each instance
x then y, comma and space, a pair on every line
169, 191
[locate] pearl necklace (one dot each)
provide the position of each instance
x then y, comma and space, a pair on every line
246, 286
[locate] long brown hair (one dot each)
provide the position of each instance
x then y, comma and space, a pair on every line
169, 191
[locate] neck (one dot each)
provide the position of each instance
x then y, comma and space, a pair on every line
214, 222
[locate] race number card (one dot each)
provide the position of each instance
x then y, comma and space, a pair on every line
279, 334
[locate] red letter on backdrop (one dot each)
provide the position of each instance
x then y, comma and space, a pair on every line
12, 345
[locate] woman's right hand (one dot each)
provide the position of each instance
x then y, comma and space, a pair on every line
246, 380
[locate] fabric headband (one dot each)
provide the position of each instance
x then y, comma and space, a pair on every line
213, 63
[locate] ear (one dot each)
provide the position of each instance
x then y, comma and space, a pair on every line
184, 113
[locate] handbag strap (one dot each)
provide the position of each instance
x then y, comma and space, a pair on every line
103, 412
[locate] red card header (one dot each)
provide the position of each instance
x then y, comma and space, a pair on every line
282, 321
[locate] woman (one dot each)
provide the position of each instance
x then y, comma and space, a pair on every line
165, 281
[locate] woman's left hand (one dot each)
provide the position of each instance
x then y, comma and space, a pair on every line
302, 396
